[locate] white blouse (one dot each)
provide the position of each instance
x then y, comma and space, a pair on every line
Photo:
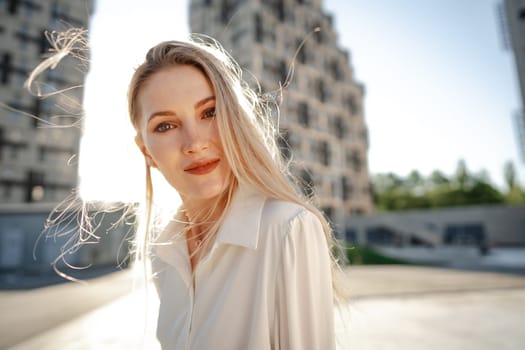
265, 284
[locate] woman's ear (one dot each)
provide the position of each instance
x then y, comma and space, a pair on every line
142, 147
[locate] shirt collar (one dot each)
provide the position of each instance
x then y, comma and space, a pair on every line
242, 222
240, 226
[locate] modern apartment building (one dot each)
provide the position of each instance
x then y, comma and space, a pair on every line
515, 19
39, 137
321, 115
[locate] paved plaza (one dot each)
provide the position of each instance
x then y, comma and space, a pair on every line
391, 307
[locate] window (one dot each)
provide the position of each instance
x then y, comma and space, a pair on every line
228, 8
21, 71
34, 186
357, 211
11, 147
258, 29
41, 154
521, 14
351, 235
328, 213
15, 115
347, 188
46, 108
5, 68
329, 19
355, 161
334, 188
304, 116
464, 234
12, 6
36, 107
364, 137
43, 43
324, 152
345, 54
60, 12
283, 70
279, 9
322, 92
307, 183
23, 37
301, 54
351, 104
339, 127
30, 8
275, 70
14, 153
7, 190
35, 111
335, 70
381, 235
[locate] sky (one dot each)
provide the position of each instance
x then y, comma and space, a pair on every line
439, 86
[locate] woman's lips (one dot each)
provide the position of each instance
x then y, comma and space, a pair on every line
202, 168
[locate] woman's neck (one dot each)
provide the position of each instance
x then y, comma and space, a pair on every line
204, 213
201, 217
201, 214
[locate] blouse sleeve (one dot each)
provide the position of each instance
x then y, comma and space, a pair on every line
304, 288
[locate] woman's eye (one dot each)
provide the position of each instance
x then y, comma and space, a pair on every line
162, 127
210, 113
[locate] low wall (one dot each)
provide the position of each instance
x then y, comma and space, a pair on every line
30, 245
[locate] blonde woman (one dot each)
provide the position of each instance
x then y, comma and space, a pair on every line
245, 263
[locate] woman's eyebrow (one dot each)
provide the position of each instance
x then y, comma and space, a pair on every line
204, 101
173, 114
161, 114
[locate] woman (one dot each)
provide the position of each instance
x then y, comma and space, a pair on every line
245, 263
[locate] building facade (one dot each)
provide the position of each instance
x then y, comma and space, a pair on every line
39, 137
321, 115
514, 17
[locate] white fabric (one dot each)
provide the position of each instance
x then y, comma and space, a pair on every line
266, 283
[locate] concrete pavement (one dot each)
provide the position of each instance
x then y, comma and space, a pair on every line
391, 307
27, 313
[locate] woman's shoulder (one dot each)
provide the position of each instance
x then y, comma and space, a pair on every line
267, 216
290, 226
281, 212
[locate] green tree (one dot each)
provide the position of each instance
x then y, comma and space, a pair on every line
515, 193
393, 192
509, 173
462, 175
415, 182
437, 179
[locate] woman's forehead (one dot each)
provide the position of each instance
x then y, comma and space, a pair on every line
174, 86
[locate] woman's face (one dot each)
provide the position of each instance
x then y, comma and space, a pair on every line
178, 132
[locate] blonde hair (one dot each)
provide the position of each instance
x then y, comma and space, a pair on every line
247, 130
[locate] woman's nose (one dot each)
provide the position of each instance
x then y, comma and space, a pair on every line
195, 140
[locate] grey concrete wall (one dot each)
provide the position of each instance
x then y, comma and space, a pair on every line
502, 225
27, 247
